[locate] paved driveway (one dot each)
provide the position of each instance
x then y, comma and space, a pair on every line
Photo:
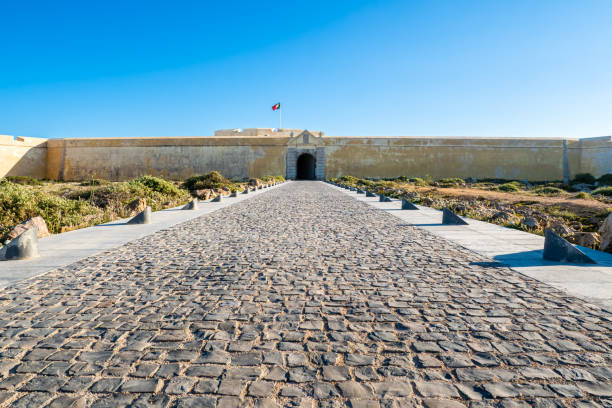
304, 297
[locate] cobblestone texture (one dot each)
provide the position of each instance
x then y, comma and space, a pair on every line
301, 297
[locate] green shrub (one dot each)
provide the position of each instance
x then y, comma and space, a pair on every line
585, 178
159, 185
549, 191
418, 181
605, 180
18, 203
349, 180
24, 180
451, 182
214, 179
605, 191
583, 195
510, 187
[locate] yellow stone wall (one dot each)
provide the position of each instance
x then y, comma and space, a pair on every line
504, 158
23, 156
181, 157
595, 155
173, 158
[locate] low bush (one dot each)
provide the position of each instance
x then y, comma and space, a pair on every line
605, 180
583, 195
159, 185
549, 191
214, 179
19, 202
510, 187
605, 191
584, 178
451, 182
418, 181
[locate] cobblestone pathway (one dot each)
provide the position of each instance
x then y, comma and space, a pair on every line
299, 297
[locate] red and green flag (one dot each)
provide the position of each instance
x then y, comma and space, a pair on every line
276, 106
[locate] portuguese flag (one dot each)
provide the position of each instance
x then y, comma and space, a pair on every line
276, 106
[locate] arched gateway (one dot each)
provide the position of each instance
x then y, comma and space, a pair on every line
306, 164
305, 157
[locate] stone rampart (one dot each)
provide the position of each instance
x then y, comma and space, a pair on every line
534, 159
23, 156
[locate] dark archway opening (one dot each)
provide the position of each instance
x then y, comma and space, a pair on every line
306, 167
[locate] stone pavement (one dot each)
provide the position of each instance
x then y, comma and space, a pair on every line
520, 250
301, 297
64, 249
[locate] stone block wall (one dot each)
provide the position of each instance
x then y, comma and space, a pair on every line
23, 156
181, 157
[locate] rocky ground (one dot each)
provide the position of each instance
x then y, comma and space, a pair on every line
300, 297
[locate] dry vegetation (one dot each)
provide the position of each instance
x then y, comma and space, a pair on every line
67, 206
576, 211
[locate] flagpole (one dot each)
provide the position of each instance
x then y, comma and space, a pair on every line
280, 112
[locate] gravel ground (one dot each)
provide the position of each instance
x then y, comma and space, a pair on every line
300, 297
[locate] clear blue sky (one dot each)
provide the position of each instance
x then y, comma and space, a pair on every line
426, 67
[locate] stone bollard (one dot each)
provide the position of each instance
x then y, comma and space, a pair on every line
217, 199
559, 250
407, 205
143, 217
381, 198
25, 246
450, 218
246, 191
192, 205
234, 194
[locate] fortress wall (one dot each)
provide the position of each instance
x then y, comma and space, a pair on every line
23, 156
173, 158
181, 157
595, 155
505, 158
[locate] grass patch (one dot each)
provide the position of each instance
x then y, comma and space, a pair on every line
549, 191
584, 196
24, 180
451, 182
510, 187
604, 191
